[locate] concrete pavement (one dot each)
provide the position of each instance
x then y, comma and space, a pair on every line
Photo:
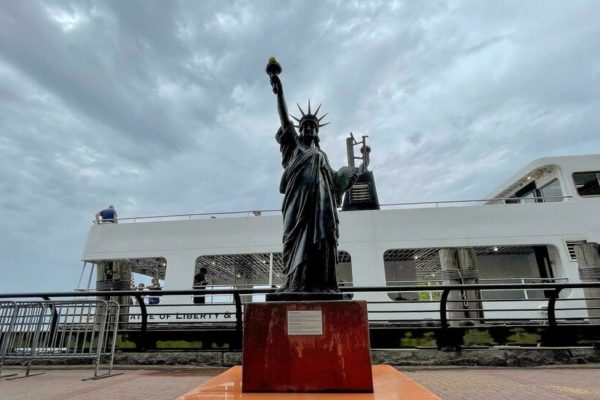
166, 383
60, 384
512, 383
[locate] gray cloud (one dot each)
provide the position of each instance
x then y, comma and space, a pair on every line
164, 107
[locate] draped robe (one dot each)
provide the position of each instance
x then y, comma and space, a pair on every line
310, 221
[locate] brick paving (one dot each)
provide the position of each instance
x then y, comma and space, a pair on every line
58, 384
165, 383
508, 383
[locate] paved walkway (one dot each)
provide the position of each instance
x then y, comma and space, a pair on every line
166, 383
514, 384
56, 384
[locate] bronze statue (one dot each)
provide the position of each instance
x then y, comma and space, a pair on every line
312, 192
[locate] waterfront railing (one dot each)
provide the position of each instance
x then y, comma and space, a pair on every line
558, 306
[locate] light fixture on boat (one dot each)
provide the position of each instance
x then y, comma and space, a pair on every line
416, 257
495, 248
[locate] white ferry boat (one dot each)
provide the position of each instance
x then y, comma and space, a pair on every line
524, 231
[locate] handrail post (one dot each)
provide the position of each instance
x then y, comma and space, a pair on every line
144, 327
54, 322
524, 290
238, 317
443, 307
447, 339
552, 307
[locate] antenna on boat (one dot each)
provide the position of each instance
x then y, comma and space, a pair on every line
364, 150
363, 195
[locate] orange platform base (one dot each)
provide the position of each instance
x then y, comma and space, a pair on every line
389, 384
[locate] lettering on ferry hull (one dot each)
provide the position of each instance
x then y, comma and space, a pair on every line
183, 317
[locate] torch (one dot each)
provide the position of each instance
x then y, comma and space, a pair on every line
273, 69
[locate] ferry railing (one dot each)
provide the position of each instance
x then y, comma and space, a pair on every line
425, 284
417, 204
446, 321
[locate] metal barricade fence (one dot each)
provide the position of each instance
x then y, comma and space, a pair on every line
8, 316
22, 337
67, 329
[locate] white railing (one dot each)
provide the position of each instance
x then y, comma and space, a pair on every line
422, 204
493, 201
430, 295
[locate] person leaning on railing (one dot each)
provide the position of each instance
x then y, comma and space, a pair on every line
154, 286
200, 283
109, 215
140, 288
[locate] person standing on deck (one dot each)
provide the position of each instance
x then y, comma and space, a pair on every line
109, 215
200, 283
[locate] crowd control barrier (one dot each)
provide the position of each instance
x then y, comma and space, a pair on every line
65, 329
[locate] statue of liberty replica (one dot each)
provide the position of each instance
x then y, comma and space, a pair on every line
312, 192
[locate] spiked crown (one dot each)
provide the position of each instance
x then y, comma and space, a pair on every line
310, 117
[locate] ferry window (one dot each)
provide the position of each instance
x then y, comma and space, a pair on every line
587, 183
343, 269
247, 271
408, 267
144, 274
495, 264
528, 193
528, 197
551, 192
128, 273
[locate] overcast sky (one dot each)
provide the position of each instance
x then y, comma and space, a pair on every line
163, 107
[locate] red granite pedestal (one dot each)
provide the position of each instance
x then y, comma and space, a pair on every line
310, 346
